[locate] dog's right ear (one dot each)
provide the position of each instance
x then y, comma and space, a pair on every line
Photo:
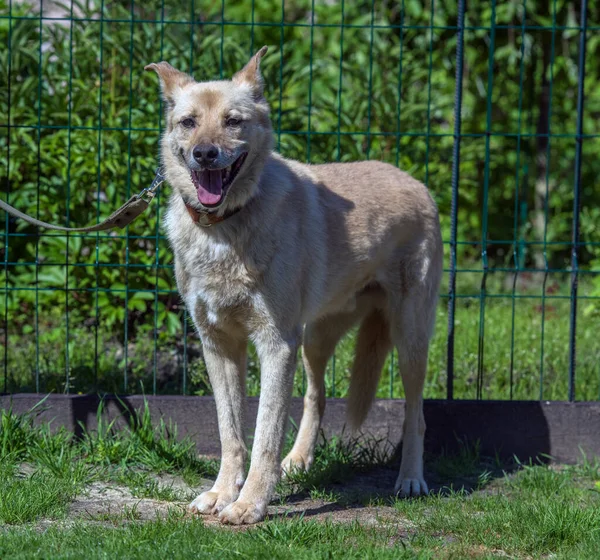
171, 80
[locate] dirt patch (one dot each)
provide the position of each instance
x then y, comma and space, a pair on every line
321, 510
360, 500
364, 499
103, 501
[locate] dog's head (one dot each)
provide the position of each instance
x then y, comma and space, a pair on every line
217, 135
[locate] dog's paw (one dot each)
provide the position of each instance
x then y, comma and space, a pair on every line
411, 487
211, 502
239, 513
294, 462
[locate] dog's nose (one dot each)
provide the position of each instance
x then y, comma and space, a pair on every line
205, 153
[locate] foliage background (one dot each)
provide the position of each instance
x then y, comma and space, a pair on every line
79, 129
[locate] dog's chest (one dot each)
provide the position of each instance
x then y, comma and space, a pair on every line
216, 283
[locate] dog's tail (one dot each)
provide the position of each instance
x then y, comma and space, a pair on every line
372, 346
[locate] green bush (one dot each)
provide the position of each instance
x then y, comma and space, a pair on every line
85, 122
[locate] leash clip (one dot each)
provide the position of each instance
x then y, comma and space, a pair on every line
149, 193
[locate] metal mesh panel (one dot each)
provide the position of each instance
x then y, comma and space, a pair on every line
495, 108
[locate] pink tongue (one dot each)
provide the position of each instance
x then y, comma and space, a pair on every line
210, 186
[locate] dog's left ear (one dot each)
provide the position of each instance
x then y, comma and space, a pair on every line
171, 79
250, 74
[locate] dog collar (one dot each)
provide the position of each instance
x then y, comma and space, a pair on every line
206, 219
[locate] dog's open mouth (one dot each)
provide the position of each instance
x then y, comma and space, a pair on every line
212, 184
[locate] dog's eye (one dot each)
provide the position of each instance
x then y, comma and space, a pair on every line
188, 123
232, 121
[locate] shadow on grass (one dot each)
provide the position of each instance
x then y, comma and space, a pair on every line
340, 480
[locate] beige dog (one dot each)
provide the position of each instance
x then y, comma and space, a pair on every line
284, 254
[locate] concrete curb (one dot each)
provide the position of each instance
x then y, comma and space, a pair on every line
526, 429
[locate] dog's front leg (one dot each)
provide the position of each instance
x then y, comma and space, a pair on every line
278, 364
226, 364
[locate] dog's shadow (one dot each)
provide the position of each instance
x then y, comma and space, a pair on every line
447, 475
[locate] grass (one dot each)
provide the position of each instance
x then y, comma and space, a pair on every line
176, 538
487, 508
335, 461
42, 470
539, 511
29, 498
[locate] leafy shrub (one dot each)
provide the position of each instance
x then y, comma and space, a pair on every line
85, 122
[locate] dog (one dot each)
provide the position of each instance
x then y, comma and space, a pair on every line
286, 255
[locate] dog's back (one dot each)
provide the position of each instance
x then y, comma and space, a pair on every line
365, 222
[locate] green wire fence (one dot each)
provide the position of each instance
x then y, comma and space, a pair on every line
496, 108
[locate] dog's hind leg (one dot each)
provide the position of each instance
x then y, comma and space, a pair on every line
411, 325
319, 341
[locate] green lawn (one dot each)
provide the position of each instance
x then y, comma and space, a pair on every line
479, 508
530, 346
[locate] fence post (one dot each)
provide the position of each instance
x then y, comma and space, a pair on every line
6, 220
577, 201
454, 204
